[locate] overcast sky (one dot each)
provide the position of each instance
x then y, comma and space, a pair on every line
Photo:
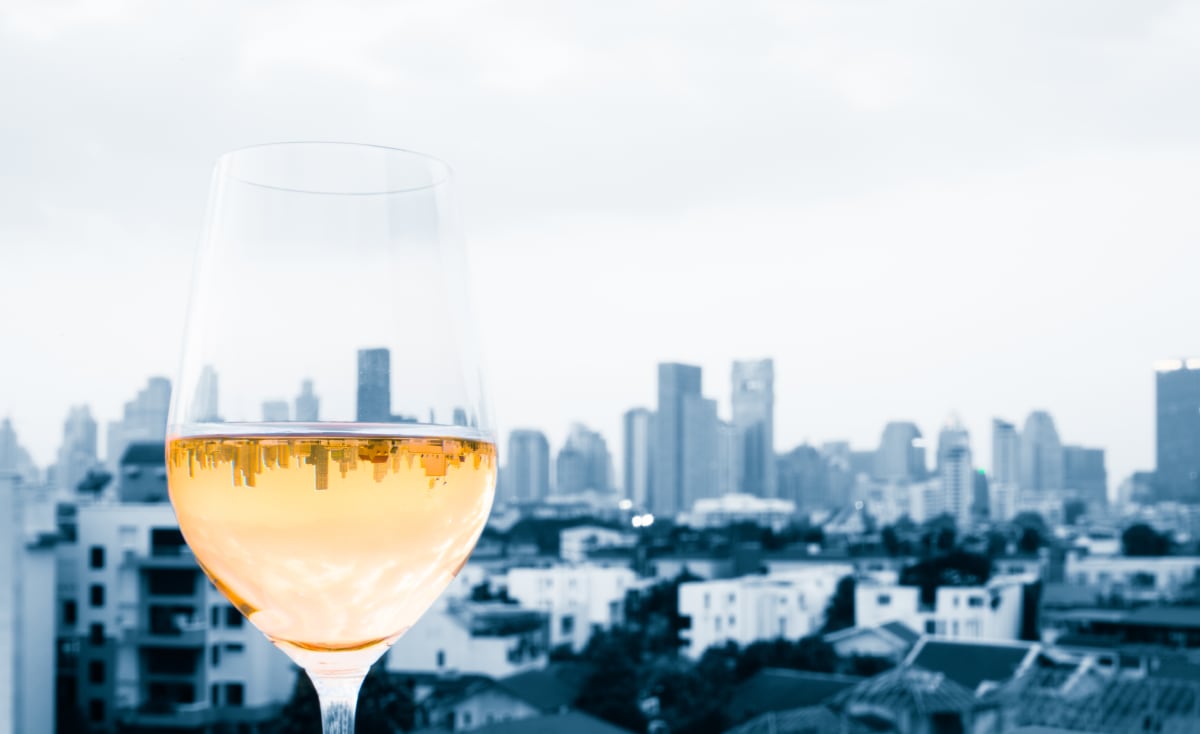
914, 207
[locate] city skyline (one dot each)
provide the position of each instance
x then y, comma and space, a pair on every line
941, 226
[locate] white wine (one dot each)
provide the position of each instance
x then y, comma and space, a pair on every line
331, 543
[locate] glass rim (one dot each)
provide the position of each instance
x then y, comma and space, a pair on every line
439, 169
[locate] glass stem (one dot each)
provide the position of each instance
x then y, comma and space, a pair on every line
339, 700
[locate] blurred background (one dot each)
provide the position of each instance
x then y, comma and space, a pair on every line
972, 222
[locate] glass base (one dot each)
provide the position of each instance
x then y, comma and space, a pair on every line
334, 663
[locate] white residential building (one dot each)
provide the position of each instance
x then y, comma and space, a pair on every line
1146, 579
727, 509
754, 608
576, 543
27, 644
990, 612
491, 639
161, 648
579, 600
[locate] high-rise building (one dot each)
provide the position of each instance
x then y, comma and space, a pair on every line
753, 402
839, 470
207, 404
1085, 475
14, 459
639, 455
901, 454
308, 405
77, 455
1006, 453
276, 411
956, 472
676, 383
374, 386
1041, 460
699, 459
803, 478
729, 459
586, 462
27, 644
1177, 430
527, 473
144, 419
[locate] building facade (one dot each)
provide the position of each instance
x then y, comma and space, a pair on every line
486, 638
901, 454
994, 611
1084, 475
1041, 455
639, 455
578, 600
676, 383
956, 472
753, 403
526, 476
144, 419
1177, 430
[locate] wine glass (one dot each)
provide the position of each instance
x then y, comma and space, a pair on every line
333, 272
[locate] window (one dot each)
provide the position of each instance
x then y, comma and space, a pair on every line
732, 620
235, 694
975, 602
96, 710
96, 556
172, 581
972, 627
216, 655
567, 625
234, 647
731, 600
216, 617
233, 618
883, 600
441, 658
466, 718
783, 626
717, 624
707, 600
96, 672
954, 628
216, 695
96, 594
70, 612
96, 634
930, 627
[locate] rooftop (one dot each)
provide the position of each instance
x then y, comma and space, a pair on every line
971, 663
573, 722
777, 689
907, 688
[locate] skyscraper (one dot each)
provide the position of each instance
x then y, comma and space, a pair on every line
527, 472
1084, 474
276, 411
639, 455
144, 419
77, 455
699, 462
956, 472
585, 462
308, 405
729, 459
803, 478
374, 386
1041, 455
1006, 453
753, 401
14, 459
675, 383
207, 403
1177, 429
901, 454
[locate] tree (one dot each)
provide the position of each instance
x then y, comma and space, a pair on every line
1140, 539
840, 612
997, 544
945, 539
891, 541
1030, 541
954, 569
808, 653
610, 691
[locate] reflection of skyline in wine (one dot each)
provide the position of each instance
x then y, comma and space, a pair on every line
248, 457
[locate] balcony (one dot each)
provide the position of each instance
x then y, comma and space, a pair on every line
166, 638
168, 716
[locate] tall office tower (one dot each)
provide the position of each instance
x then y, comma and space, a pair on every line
570, 471
753, 402
14, 459
676, 383
374, 386
729, 459
1177, 430
839, 472
77, 455
901, 453
639, 455
27, 643
981, 496
144, 419
1041, 455
803, 478
308, 405
956, 472
699, 450
207, 405
527, 473
1006, 453
1084, 473
276, 411
587, 450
